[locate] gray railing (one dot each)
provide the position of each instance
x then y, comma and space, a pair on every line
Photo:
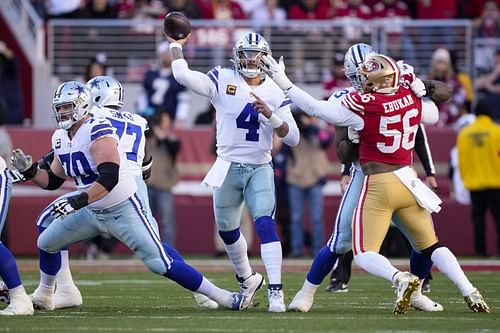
308, 46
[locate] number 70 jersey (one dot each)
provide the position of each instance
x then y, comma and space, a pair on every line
390, 124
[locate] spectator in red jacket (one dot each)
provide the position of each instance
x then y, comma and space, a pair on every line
310, 10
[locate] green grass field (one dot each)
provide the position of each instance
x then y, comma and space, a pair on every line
143, 302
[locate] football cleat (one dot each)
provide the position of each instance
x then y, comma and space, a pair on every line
302, 302
337, 286
19, 306
423, 303
4, 293
406, 284
476, 302
67, 297
276, 300
43, 298
248, 288
204, 302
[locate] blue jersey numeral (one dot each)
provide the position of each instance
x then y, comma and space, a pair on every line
78, 163
340, 93
129, 129
249, 120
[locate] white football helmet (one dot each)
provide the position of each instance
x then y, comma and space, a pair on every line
106, 91
72, 101
379, 73
248, 52
353, 58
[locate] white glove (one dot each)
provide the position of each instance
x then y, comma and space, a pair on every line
62, 208
20, 160
276, 71
16, 176
353, 135
404, 68
418, 87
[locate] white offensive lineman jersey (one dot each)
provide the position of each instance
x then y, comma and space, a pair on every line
76, 159
130, 130
244, 135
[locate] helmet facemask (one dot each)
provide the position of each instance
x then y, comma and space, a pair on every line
71, 102
248, 53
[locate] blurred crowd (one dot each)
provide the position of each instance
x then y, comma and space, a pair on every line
276, 10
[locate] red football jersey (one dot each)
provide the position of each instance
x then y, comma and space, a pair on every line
390, 124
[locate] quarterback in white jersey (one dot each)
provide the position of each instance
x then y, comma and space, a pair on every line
85, 149
250, 108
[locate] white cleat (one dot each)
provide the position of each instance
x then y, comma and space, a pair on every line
276, 300
67, 297
302, 302
406, 284
19, 306
423, 303
205, 302
248, 288
43, 298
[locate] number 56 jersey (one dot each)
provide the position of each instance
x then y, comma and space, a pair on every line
390, 125
77, 161
244, 135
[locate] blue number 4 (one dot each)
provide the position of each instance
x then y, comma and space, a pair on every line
249, 120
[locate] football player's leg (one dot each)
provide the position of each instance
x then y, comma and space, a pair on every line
339, 242
260, 200
420, 265
228, 205
129, 223
61, 233
419, 223
380, 196
20, 303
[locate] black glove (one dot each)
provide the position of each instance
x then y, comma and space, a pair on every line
65, 206
146, 168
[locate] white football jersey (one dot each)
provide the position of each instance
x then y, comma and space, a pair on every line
129, 128
3, 165
78, 163
244, 135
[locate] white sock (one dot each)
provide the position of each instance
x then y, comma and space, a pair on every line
447, 264
376, 264
47, 281
64, 277
17, 291
221, 296
238, 255
309, 288
272, 257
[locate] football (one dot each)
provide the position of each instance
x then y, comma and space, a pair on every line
176, 25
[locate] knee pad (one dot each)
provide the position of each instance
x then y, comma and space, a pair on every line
266, 229
428, 251
230, 237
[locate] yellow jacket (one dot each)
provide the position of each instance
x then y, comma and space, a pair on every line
478, 147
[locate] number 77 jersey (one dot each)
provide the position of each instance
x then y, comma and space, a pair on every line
390, 125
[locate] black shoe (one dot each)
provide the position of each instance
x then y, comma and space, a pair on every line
426, 286
336, 286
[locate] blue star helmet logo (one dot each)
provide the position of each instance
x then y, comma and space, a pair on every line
95, 83
80, 89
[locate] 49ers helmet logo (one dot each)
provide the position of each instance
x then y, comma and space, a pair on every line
371, 66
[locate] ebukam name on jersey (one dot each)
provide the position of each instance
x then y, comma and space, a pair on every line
398, 104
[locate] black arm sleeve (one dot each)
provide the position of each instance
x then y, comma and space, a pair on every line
46, 160
347, 152
108, 175
54, 181
423, 151
346, 170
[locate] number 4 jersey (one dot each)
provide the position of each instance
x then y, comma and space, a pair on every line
390, 124
244, 135
77, 161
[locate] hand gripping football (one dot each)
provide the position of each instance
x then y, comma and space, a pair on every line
176, 25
